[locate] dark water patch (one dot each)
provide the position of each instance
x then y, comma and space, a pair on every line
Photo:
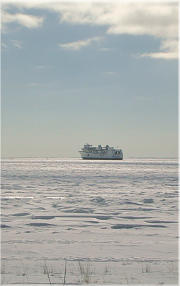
172, 185
74, 216
40, 208
148, 201
138, 209
152, 234
125, 226
39, 224
103, 217
84, 225
4, 226
90, 221
5, 187
128, 226
43, 217
11, 187
146, 209
79, 210
100, 217
20, 214
134, 217
170, 195
132, 203
74, 201
156, 225
55, 205
160, 221
99, 201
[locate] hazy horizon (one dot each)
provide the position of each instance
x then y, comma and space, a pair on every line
103, 73
79, 157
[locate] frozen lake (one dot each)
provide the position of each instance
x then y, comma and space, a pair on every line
74, 221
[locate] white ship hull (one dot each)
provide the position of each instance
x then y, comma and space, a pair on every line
100, 153
98, 158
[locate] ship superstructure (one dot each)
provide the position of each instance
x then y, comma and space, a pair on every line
101, 153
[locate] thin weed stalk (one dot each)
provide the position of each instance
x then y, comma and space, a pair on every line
46, 271
85, 272
65, 272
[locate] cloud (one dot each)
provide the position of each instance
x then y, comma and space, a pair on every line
26, 20
159, 20
17, 44
3, 46
168, 50
161, 55
110, 73
79, 44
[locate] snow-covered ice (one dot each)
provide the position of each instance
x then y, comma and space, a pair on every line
75, 221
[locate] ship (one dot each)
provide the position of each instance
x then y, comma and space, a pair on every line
100, 153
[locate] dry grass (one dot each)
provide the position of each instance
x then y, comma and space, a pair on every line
47, 272
146, 268
82, 273
85, 272
65, 272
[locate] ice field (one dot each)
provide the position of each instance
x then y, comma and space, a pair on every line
74, 221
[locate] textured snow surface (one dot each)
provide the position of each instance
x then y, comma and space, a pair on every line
74, 221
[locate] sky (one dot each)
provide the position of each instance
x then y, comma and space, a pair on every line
98, 73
